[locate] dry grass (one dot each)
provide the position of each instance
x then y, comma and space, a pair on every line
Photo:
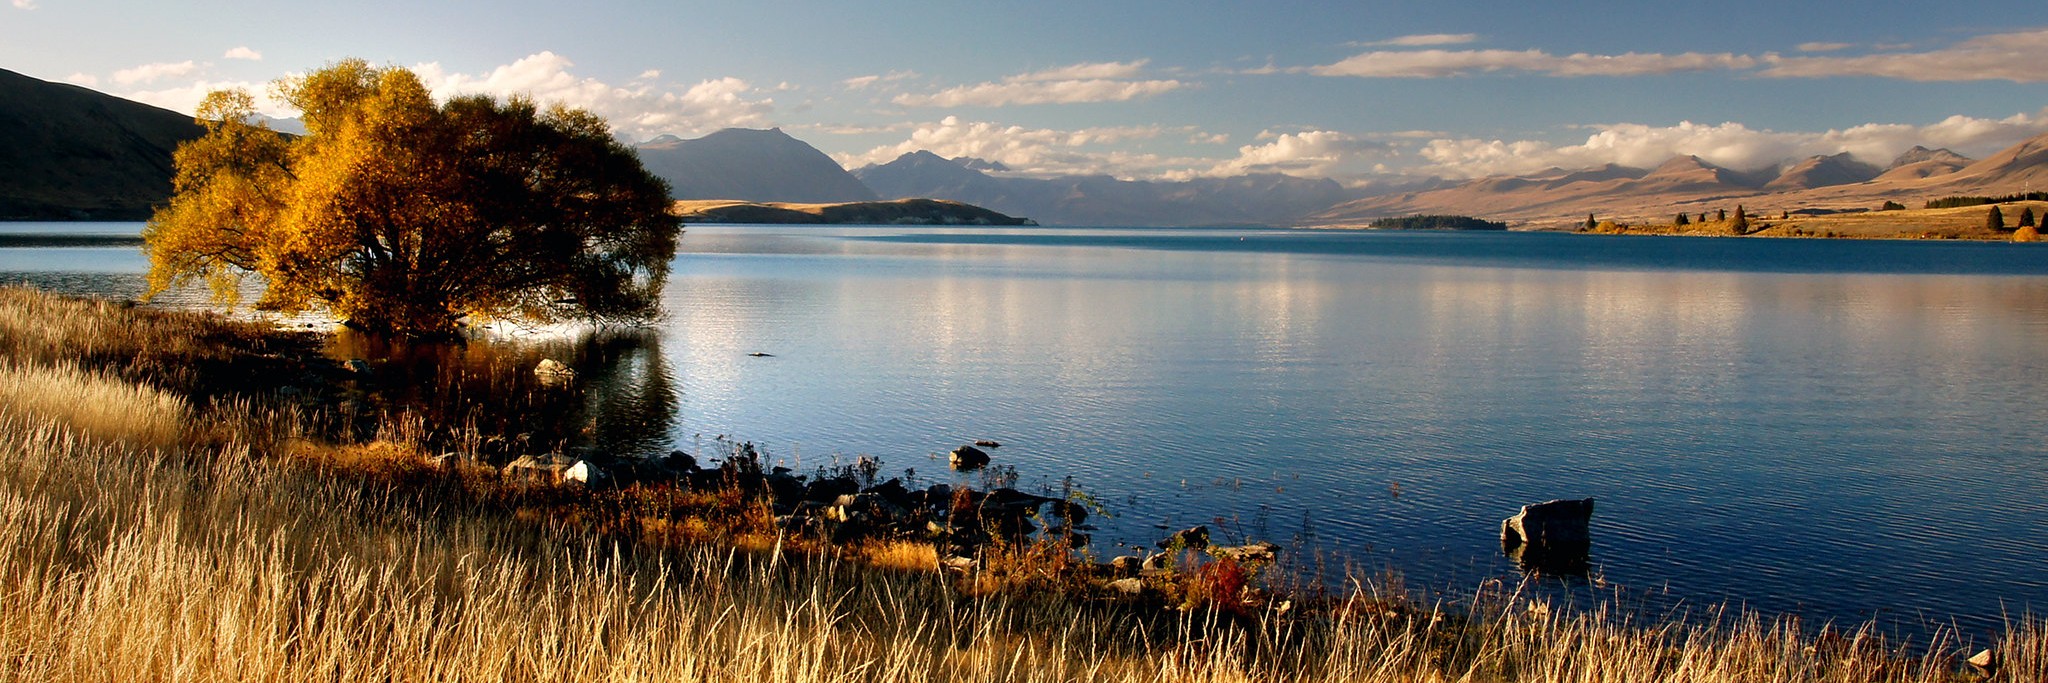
95, 403
222, 560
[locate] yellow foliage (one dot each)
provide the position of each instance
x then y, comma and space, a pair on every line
404, 215
2026, 234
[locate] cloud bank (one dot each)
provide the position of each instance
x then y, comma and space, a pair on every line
1079, 83
1731, 145
637, 110
2020, 57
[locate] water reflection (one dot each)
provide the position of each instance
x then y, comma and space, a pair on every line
622, 404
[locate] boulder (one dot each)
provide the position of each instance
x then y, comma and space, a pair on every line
1191, 538
1985, 660
1550, 537
1126, 565
583, 472
1156, 563
1260, 552
1070, 512
1128, 586
968, 459
357, 365
537, 469
552, 372
987, 443
1551, 524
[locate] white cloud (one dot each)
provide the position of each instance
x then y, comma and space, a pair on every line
152, 72
1424, 40
2020, 57
650, 74
25, 4
1731, 145
243, 52
185, 99
1307, 153
640, 110
1033, 151
84, 79
1824, 47
865, 82
1096, 82
1443, 63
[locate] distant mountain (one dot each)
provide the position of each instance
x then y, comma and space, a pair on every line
69, 153
750, 165
1921, 162
1823, 171
1263, 199
897, 212
2012, 169
978, 164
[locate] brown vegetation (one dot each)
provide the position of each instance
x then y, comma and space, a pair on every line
242, 544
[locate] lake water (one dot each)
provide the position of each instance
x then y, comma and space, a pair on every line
1838, 429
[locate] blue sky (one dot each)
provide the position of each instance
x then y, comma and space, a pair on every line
1148, 89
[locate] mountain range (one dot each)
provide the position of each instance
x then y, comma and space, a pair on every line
68, 152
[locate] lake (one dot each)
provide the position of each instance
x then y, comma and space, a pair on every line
1837, 429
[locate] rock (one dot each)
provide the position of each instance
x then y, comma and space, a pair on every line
758, 354
1156, 563
1550, 537
894, 492
552, 372
957, 564
1070, 512
1261, 552
583, 472
546, 469
357, 365
1985, 660
986, 443
968, 459
1126, 565
1130, 586
679, 461
1551, 524
786, 488
829, 489
1191, 538
444, 462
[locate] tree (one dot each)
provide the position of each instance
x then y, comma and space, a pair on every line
1590, 223
1891, 206
1741, 224
1994, 220
1681, 219
2026, 217
403, 216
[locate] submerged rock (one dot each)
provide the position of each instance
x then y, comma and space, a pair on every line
968, 459
1550, 524
553, 373
1191, 538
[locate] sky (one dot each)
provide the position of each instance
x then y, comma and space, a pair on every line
1359, 91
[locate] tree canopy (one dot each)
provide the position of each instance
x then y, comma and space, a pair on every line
403, 216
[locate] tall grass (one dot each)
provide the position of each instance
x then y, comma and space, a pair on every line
94, 402
231, 558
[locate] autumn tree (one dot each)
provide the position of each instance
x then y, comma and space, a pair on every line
1740, 225
1681, 219
403, 215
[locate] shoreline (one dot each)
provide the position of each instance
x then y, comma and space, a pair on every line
1221, 595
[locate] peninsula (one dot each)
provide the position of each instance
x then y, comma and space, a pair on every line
895, 212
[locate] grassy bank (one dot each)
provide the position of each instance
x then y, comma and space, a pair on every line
1959, 223
186, 523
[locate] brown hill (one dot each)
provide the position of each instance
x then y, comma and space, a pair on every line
69, 153
897, 212
1823, 171
1691, 185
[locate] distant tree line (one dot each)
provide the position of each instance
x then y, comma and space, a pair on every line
1962, 201
1424, 222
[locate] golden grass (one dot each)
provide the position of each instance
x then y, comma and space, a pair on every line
219, 560
94, 402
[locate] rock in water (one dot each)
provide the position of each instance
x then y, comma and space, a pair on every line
1549, 524
553, 372
968, 459
1191, 538
1551, 537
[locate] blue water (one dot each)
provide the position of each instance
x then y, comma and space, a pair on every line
1838, 429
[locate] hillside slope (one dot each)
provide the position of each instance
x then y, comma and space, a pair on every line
69, 153
750, 165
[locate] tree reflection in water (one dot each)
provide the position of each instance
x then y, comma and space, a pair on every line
482, 396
